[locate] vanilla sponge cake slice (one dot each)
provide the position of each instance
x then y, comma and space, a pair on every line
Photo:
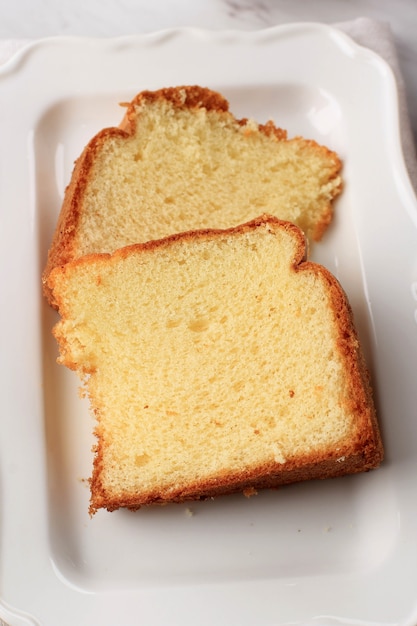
181, 161
215, 361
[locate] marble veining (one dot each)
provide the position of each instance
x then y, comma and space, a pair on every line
255, 12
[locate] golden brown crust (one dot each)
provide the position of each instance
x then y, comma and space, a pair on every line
360, 454
191, 235
63, 246
268, 476
186, 96
64, 243
316, 466
369, 443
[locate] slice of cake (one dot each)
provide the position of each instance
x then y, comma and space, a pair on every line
181, 161
215, 362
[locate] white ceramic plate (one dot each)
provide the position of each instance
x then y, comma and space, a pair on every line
342, 551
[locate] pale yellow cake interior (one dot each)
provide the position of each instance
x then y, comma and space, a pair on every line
205, 357
191, 168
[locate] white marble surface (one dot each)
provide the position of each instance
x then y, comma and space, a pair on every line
29, 19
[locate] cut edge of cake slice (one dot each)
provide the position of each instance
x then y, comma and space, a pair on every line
216, 361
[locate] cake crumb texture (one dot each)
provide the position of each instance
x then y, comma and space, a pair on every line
181, 161
215, 361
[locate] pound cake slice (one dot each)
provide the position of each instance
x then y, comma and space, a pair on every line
215, 362
181, 161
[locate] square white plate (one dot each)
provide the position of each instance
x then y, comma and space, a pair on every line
342, 551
